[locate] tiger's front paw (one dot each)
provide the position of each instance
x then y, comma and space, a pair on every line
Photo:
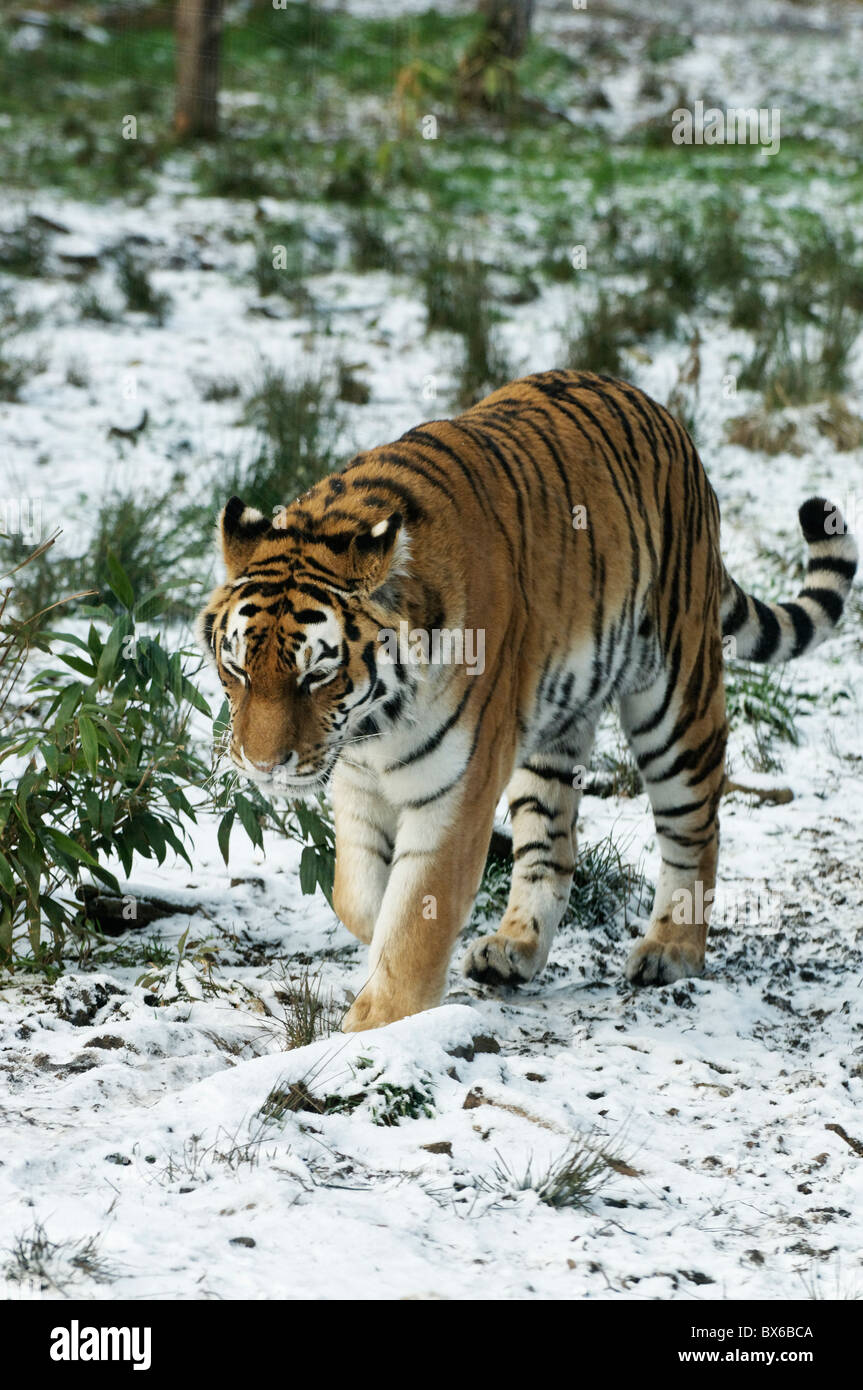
499, 960
370, 1010
663, 962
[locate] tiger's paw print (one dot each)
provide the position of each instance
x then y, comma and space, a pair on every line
498, 960
663, 962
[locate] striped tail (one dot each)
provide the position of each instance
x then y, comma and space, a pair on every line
777, 631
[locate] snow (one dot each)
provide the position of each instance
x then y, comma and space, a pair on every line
734, 1099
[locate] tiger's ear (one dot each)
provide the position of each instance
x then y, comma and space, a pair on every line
240, 529
378, 555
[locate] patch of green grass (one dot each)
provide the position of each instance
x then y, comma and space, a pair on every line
665, 44
16, 368
388, 1104
794, 364
284, 255
617, 773
136, 287
297, 423
351, 388
761, 702
457, 298
618, 323
23, 249
131, 953
16, 371
604, 885
370, 246
77, 373
137, 530
805, 335
219, 388
231, 171
598, 343
93, 306
392, 1104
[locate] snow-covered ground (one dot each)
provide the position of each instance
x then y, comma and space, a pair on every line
131, 1113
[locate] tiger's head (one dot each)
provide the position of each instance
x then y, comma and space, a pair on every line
295, 635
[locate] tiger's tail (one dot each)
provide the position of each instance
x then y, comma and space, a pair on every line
771, 632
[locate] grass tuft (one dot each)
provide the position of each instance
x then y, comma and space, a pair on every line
36, 1260
309, 1014
133, 279
571, 1180
760, 701
297, 423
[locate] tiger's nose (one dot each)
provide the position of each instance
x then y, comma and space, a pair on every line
269, 765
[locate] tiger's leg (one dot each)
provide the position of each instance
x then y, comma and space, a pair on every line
365, 837
543, 804
439, 856
677, 731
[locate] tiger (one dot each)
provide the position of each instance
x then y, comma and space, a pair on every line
566, 519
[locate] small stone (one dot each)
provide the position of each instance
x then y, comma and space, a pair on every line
243, 1240
441, 1146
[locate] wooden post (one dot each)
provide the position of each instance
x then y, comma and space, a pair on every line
508, 25
486, 74
198, 32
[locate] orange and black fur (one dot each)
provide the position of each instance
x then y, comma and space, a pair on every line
567, 520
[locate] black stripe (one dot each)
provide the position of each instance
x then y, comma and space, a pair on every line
435, 739
830, 601
771, 632
537, 807
847, 568
804, 628
737, 617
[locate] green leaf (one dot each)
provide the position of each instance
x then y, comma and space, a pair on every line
93, 805
224, 833
94, 643
69, 702
118, 581
71, 847
308, 870
248, 817
51, 753
84, 668
106, 876
110, 652
7, 878
326, 874
150, 606
193, 696
89, 743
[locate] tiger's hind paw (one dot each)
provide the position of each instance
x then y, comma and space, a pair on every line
661, 963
